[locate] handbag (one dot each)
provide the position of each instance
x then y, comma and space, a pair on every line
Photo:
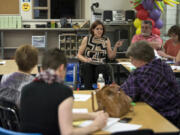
112, 100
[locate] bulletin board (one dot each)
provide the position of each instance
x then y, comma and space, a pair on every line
9, 6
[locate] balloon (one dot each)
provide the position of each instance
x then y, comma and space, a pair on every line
148, 4
153, 23
139, 7
137, 22
138, 31
155, 14
142, 14
156, 31
159, 24
144, 4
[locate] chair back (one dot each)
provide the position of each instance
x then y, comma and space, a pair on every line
9, 117
9, 132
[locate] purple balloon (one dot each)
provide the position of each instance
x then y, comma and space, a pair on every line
144, 4
155, 14
159, 24
148, 4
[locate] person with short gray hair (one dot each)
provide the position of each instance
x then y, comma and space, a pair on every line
145, 50
153, 82
147, 35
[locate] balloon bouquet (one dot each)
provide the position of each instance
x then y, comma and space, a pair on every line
150, 10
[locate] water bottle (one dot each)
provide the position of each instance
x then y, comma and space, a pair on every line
100, 81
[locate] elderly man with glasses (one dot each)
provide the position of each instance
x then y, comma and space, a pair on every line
146, 34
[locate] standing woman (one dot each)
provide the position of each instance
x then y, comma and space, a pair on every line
172, 46
96, 47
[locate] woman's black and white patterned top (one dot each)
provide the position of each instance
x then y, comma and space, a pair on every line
96, 48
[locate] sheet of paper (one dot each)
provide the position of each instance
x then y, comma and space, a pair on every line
117, 127
113, 125
81, 97
80, 110
110, 122
2, 62
128, 63
175, 67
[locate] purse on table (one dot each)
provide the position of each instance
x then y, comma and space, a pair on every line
112, 100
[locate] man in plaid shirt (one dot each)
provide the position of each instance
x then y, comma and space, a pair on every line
152, 82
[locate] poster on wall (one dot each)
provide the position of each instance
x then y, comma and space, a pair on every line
26, 6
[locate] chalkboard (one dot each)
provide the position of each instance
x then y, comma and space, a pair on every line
9, 6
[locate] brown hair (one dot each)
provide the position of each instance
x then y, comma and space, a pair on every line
141, 50
175, 29
53, 58
94, 25
26, 57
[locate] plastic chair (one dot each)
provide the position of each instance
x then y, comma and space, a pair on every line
9, 117
9, 132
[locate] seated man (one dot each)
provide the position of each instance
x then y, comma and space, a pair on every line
152, 82
146, 34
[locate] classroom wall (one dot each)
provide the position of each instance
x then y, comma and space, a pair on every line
9, 7
85, 5
106, 5
171, 16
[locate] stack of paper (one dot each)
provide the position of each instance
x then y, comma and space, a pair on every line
80, 110
81, 97
2, 62
175, 67
10, 21
128, 64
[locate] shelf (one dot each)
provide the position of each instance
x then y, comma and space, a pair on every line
10, 48
69, 43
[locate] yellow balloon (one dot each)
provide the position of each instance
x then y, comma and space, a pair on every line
138, 31
137, 22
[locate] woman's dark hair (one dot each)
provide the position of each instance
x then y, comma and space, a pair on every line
141, 50
26, 57
94, 25
175, 29
53, 58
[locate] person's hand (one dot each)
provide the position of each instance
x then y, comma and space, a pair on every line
119, 43
161, 53
155, 44
88, 60
101, 120
95, 114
